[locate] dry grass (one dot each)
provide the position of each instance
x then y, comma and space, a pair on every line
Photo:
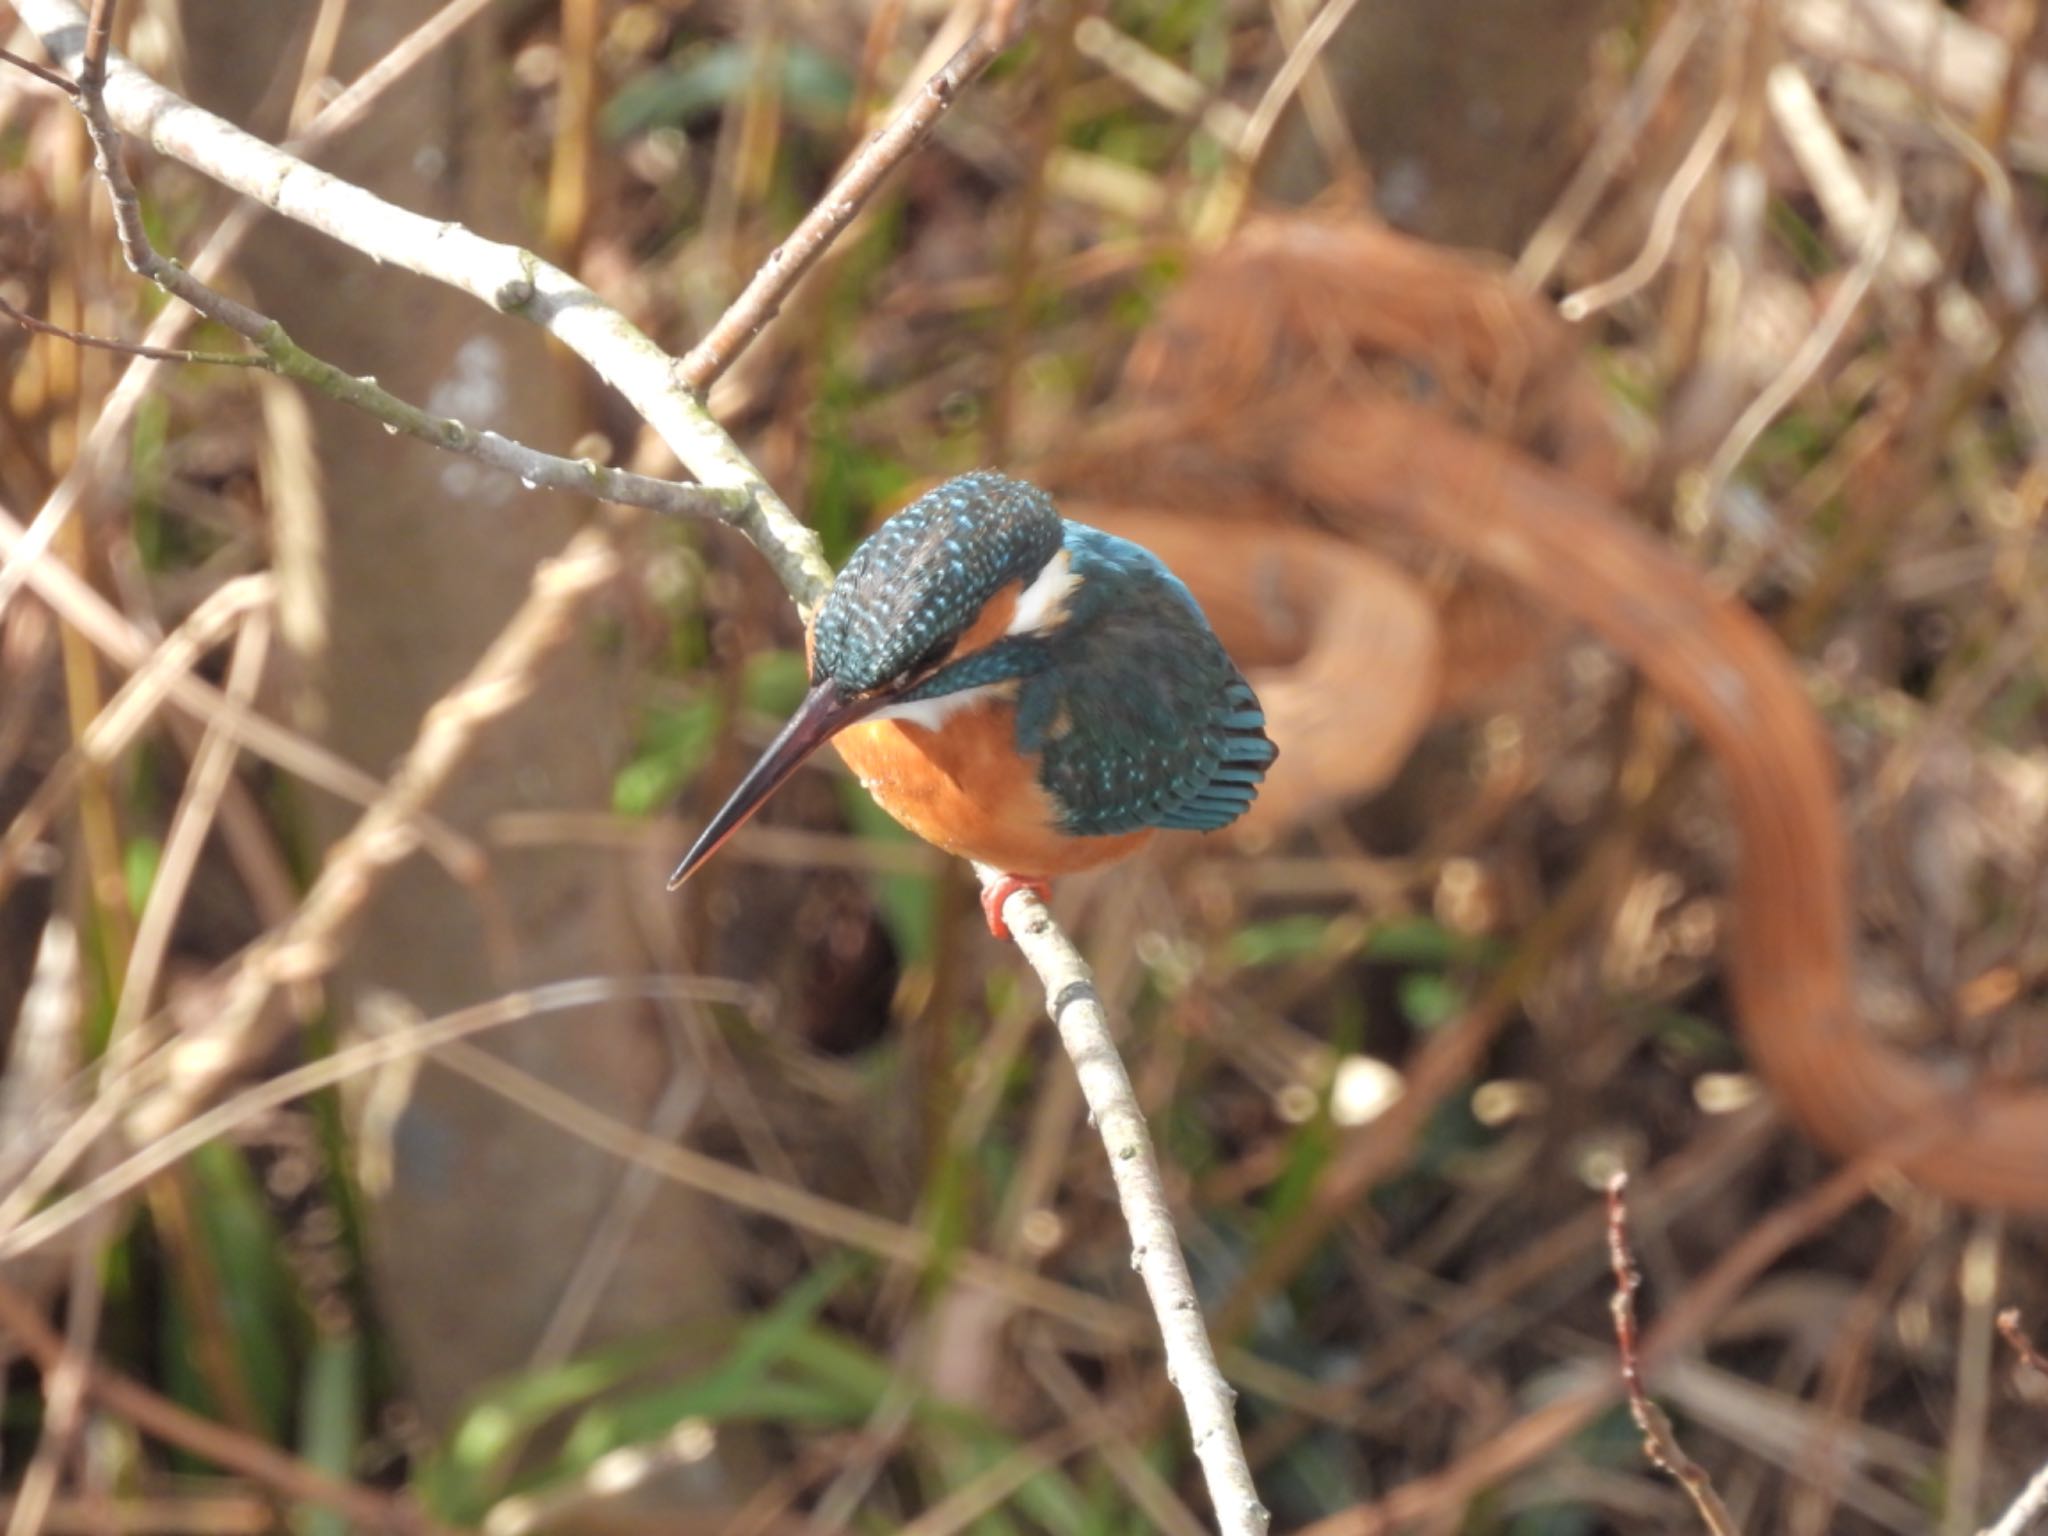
1581, 922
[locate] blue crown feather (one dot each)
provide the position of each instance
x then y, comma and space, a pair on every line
926, 573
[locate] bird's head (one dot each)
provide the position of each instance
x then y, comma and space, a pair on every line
948, 595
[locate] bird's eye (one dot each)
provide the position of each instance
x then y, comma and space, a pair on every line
934, 657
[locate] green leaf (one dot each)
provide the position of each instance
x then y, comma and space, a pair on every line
465, 1478
909, 903
736, 1388
1278, 940
703, 80
1430, 999
139, 861
1424, 941
675, 744
330, 1423
254, 1291
774, 682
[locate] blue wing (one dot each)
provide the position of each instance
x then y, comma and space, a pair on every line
1141, 719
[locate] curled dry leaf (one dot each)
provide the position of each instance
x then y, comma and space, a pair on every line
1323, 420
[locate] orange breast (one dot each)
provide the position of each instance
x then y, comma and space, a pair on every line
966, 788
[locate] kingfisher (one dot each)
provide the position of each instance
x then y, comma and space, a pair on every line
1024, 691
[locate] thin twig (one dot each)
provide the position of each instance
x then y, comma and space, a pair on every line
2015, 1336
99, 37
1649, 261
536, 470
164, 1420
1813, 350
1078, 1014
190, 827
41, 71
1620, 135
1294, 70
66, 1381
1660, 1441
29, 322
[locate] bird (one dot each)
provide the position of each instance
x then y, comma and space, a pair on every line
1019, 689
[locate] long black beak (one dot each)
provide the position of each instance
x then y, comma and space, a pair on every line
824, 712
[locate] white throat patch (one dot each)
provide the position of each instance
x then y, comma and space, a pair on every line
1044, 603
933, 714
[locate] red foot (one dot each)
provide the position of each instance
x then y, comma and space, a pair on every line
993, 897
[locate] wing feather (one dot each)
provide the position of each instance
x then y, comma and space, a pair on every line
1141, 719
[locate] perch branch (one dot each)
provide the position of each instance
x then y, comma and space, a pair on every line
2031, 1504
1078, 1014
662, 390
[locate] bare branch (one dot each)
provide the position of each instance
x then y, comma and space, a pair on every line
99, 37
1077, 1012
96, 454
507, 278
661, 389
280, 354
1660, 1441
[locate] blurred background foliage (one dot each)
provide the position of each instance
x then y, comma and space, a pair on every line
1393, 1040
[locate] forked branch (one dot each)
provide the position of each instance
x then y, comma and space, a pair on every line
117, 96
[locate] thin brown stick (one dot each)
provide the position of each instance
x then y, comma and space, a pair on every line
207, 1514
99, 37
244, 1028
2030, 1356
164, 1420
1660, 1440
42, 72
1538, 1433
848, 194
29, 322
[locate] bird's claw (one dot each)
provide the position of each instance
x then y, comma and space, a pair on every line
993, 897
